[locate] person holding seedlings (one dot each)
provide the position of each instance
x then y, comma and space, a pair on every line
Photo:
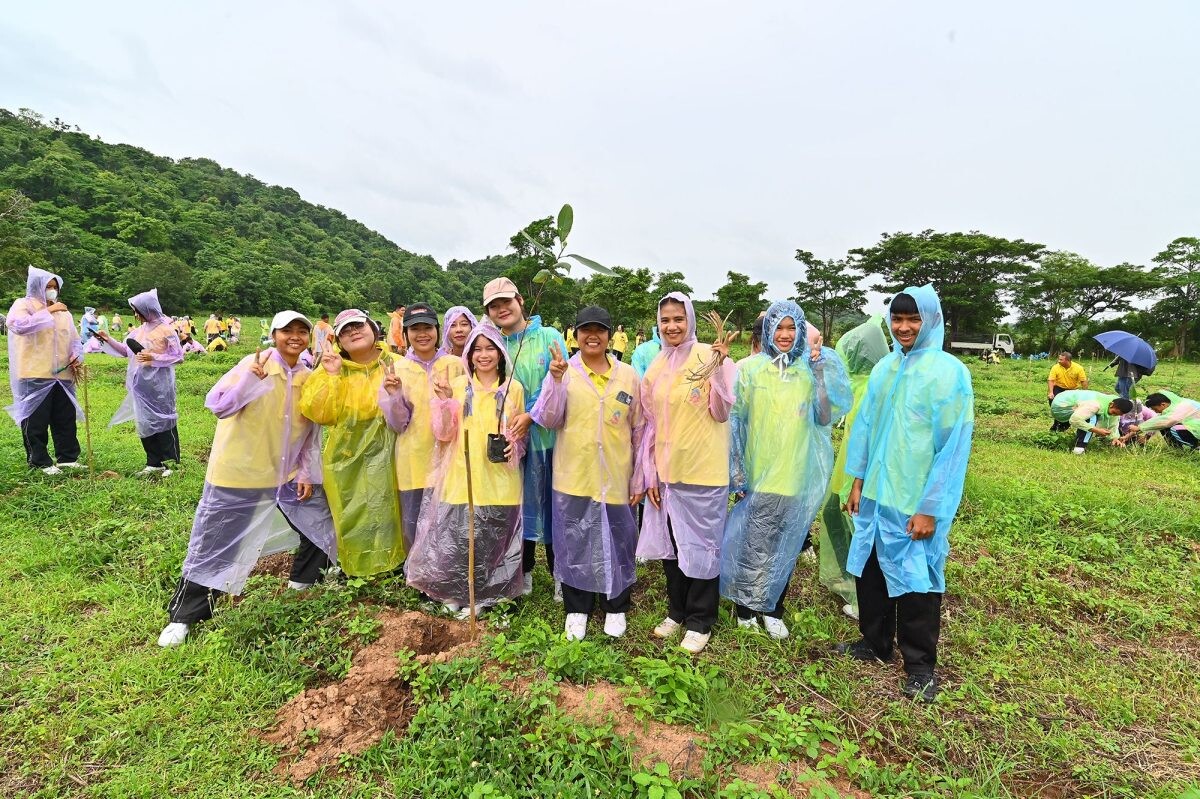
1089, 413
1178, 420
357, 394
458, 324
593, 403
908, 457
153, 349
860, 349
476, 483
415, 443
686, 396
528, 343
262, 491
786, 399
45, 357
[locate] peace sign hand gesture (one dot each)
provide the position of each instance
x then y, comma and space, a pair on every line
558, 364
256, 366
331, 360
441, 385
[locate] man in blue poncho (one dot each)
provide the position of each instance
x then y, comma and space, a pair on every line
908, 457
646, 352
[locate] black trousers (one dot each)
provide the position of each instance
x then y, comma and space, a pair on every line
691, 601
578, 601
55, 417
193, 602
914, 621
529, 556
162, 447
744, 612
1081, 438
1181, 438
1057, 426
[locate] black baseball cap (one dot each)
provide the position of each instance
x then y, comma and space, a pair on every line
593, 315
420, 314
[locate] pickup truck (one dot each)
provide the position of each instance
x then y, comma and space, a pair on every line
980, 344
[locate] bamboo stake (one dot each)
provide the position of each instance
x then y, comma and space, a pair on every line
470, 531
87, 416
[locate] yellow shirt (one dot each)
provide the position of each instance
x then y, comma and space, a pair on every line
593, 454
1069, 378
414, 447
212, 327
620, 341
598, 380
690, 446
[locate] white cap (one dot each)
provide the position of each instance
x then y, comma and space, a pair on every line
285, 318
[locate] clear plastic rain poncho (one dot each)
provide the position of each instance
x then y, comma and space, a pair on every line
359, 457
781, 457
860, 349
415, 443
645, 353
532, 365
685, 452
455, 313
1084, 409
1181, 411
150, 401
910, 446
41, 346
599, 434
88, 324
438, 563
263, 446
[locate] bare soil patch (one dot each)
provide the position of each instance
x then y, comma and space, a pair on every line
278, 565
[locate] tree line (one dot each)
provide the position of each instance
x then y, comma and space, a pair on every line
114, 219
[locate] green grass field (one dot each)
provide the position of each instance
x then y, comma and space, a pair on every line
1070, 649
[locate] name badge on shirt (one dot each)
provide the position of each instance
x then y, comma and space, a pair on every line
624, 398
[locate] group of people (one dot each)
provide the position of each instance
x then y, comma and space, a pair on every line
488, 439
1118, 417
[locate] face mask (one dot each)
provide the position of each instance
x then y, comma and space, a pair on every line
51, 295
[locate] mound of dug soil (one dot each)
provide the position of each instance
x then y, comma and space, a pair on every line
321, 724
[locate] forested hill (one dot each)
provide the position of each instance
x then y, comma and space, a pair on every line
113, 219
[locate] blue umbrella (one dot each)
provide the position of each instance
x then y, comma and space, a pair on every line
1130, 347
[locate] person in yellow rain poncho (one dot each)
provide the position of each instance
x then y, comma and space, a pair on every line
685, 467
414, 444
786, 399
594, 403
262, 492
465, 412
860, 349
357, 396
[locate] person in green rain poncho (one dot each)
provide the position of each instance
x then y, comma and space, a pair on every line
781, 455
860, 349
908, 456
529, 345
1178, 420
1089, 413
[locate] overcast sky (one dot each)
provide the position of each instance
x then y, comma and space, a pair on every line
696, 136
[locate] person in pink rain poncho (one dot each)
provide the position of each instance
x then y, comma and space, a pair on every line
44, 358
153, 350
262, 492
685, 464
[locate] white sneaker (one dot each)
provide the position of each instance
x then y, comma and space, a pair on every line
667, 627
775, 628
173, 634
558, 592
1078, 450
809, 555
295, 586
576, 626
694, 642
52, 470
614, 624
151, 471
166, 472
850, 611
72, 465
528, 587
748, 624
452, 607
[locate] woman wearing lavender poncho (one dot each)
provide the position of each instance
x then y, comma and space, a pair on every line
153, 349
262, 491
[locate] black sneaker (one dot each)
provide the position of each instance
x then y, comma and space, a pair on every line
860, 650
922, 686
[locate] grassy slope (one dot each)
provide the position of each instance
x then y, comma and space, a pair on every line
1071, 644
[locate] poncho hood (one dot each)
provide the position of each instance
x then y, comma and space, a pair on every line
864, 346
35, 283
147, 305
933, 324
779, 311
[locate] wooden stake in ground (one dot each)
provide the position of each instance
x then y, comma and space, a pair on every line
87, 415
470, 530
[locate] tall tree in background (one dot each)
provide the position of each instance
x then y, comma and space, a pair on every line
1066, 292
15, 252
828, 289
1179, 270
163, 271
625, 294
971, 271
666, 282
741, 299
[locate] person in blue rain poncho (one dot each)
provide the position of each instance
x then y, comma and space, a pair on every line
529, 344
645, 353
781, 456
908, 457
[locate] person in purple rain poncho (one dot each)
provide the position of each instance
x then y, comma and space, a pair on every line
457, 324
44, 358
153, 349
262, 491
